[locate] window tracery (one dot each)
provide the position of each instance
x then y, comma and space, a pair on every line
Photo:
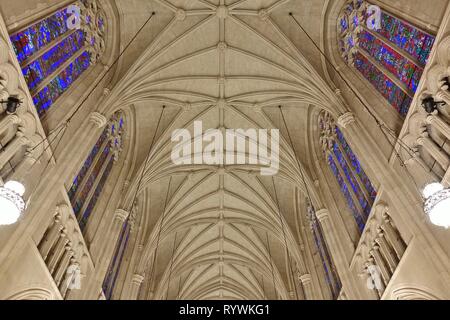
391, 58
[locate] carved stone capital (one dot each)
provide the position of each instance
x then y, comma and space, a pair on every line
346, 119
305, 278
121, 215
322, 215
137, 279
98, 119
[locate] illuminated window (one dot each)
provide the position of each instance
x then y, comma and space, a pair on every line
53, 57
88, 185
392, 58
355, 185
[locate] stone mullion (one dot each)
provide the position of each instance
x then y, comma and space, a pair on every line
47, 48
386, 72
400, 51
55, 73
94, 186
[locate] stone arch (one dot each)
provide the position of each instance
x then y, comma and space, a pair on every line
32, 294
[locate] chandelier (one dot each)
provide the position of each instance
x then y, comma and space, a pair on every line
12, 204
437, 204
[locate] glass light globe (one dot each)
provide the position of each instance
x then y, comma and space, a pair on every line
12, 204
15, 186
431, 189
437, 204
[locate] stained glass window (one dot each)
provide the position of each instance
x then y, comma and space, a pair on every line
356, 187
114, 267
392, 58
89, 183
53, 56
331, 275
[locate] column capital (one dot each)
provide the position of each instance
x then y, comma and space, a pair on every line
98, 119
305, 278
137, 278
346, 119
322, 214
121, 215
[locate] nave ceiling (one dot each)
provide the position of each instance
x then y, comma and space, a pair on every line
221, 232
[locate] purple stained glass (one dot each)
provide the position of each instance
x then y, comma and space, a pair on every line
29, 41
408, 38
46, 64
344, 24
402, 68
45, 98
96, 195
396, 96
360, 221
90, 181
356, 166
352, 180
87, 164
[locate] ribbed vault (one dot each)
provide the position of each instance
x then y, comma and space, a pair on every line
211, 232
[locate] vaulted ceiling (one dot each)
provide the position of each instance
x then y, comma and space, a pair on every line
211, 232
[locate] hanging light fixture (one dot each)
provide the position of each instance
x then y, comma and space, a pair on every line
12, 204
437, 204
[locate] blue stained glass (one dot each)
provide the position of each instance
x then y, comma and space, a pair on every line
87, 164
402, 68
347, 195
45, 65
352, 180
45, 98
396, 96
356, 165
344, 24
415, 42
29, 41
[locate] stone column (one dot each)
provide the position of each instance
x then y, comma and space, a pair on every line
110, 241
439, 124
8, 122
52, 237
12, 148
136, 282
393, 238
433, 149
333, 245
306, 281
